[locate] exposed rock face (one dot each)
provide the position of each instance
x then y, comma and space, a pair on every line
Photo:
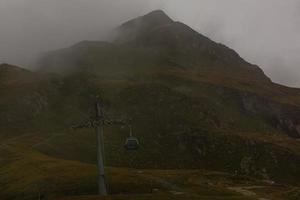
282, 116
249, 157
35, 103
24, 96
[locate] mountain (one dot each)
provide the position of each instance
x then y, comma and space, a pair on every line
11, 74
194, 104
184, 47
156, 39
155, 45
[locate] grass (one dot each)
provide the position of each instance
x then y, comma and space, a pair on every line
185, 119
156, 197
28, 172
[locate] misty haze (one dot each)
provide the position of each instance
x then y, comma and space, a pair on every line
149, 100
263, 32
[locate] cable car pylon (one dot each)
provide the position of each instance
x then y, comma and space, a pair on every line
102, 188
98, 122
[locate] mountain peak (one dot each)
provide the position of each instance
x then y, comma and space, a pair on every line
159, 16
3, 65
157, 12
6, 65
7, 68
150, 21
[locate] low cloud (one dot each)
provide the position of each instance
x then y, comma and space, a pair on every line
264, 32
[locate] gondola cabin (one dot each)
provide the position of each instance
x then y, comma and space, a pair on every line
132, 144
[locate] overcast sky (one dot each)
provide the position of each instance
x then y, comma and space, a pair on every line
264, 32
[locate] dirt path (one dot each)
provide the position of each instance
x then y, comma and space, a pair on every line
247, 191
174, 189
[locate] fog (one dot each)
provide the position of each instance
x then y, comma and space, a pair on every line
264, 32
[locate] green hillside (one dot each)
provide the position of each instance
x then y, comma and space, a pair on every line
208, 121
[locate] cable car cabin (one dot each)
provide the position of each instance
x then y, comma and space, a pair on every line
132, 144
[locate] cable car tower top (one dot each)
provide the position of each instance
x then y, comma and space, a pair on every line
98, 122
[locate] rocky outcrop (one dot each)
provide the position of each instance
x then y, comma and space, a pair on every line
284, 117
252, 157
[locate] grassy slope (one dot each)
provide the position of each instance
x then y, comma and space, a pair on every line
29, 172
149, 101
